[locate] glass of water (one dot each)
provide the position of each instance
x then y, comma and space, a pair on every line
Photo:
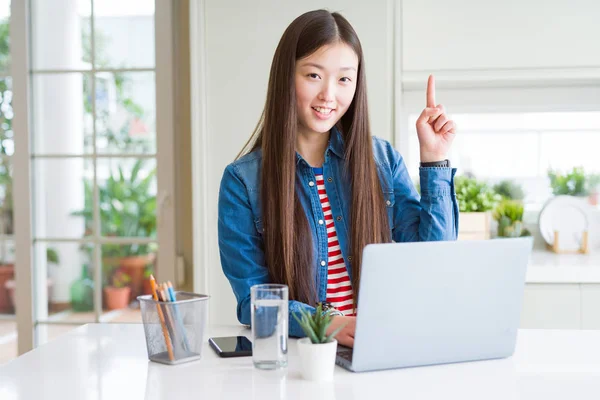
269, 311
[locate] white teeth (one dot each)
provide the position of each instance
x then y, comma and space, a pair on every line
325, 111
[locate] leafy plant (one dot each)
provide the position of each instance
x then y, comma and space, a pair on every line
509, 214
509, 190
511, 209
572, 183
315, 325
127, 208
120, 279
474, 196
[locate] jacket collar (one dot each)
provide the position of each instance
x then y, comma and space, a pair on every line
335, 145
336, 142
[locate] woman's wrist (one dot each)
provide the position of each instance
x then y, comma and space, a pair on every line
328, 307
427, 157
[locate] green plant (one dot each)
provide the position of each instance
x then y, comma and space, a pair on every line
315, 325
509, 190
474, 196
120, 279
509, 214
572, 183
512, 209
127, 208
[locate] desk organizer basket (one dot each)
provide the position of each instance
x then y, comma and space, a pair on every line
175, 330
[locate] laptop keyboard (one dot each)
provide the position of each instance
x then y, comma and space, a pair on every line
345, 353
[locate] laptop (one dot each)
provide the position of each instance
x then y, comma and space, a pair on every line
429, 303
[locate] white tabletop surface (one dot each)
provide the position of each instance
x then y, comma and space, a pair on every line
109, 361
548, 267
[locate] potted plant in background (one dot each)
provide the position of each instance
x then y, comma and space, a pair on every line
116, 296
7, 298
475, 202
127, 209
510, 190
509, 214
572, 183
317, 350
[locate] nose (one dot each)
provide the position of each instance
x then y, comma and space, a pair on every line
327, 93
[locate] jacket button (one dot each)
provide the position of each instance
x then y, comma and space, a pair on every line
349, 258
311, 183
339, 218
320, 222
330, 179
323, 263
389, 203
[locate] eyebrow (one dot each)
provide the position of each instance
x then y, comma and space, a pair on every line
309, 64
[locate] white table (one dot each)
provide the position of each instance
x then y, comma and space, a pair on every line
101, 361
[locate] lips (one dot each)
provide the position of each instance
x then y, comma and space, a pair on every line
323, 112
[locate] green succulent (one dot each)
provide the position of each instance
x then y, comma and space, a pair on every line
509, 214
474, 196
315, 325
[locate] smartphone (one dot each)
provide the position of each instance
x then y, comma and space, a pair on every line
231, 346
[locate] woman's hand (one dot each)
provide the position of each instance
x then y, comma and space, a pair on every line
344, 337
434, 128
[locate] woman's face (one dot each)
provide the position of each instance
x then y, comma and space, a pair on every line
325, 87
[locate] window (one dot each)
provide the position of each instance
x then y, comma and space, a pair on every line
93, 137
521, 147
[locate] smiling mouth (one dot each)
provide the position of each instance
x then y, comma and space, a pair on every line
323, 110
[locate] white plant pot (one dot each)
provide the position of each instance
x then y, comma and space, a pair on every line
317, 360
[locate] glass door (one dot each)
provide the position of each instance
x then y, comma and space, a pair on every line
98, 192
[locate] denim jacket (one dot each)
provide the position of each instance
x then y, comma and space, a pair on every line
429, 217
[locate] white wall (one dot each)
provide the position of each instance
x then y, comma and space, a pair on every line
467, 43
497, 35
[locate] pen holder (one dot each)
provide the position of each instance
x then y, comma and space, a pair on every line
174, 330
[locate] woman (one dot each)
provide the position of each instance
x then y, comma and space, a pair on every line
315, 187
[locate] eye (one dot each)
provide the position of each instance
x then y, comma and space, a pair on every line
345, 79
314, 76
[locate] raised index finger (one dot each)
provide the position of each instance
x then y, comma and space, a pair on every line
431, 91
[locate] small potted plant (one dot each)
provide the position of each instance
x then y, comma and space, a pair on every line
317, 350
475, 202
509, 214
117, 295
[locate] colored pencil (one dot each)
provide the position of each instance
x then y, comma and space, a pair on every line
177, 315
162, 319
168, 314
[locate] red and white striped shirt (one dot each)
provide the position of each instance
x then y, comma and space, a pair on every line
339, 287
